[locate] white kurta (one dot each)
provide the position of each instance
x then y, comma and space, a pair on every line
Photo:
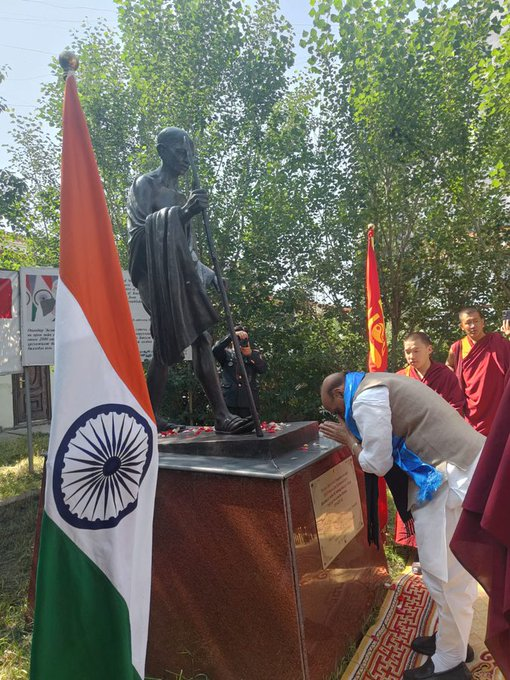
451, 587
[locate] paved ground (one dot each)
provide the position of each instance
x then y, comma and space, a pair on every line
15, 432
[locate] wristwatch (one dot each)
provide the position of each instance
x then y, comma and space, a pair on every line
356, 444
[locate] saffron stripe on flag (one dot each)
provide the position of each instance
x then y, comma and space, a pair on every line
89, 262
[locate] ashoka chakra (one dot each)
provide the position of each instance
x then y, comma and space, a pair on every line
100, 465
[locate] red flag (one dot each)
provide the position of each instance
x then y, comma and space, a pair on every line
378, 349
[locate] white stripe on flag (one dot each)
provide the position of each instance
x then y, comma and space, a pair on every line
85, 379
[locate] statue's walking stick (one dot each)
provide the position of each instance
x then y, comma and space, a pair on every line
226, 305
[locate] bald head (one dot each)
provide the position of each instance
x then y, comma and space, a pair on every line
472, 323
331, 382
418, 351
175, 149
470, 311
332, 393
171, 136
419, 336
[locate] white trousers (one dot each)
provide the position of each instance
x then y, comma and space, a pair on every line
449, 584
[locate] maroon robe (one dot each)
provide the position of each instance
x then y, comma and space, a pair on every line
443, 381
481, 541
482, 371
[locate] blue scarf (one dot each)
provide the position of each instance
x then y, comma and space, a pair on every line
427, 478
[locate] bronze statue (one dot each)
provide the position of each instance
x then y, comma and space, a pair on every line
171, 280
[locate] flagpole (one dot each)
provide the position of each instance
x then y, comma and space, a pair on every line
28, 411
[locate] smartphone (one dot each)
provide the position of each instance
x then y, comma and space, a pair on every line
506, 315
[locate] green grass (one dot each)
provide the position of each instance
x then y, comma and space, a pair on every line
17, 529
351, 650
17, 522
397, 556
14, 475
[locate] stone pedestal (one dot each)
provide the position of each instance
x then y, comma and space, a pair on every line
240, 590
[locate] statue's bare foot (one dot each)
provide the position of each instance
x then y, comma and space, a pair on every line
234, 425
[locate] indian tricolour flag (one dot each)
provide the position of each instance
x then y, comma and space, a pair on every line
93, 577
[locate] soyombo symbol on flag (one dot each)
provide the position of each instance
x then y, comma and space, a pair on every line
378, 349
93, 578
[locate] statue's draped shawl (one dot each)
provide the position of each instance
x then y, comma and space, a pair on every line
179, 306
136, 230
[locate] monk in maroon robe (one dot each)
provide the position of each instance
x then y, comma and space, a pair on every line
481, 362
418, 354
481, 541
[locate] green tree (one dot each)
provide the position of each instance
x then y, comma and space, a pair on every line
490, 77
16, 248
12, 192
220, 70
401, 130
397, 121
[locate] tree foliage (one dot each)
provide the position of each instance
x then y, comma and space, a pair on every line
399, 119
401, 125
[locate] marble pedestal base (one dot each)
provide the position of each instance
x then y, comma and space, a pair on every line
239, 591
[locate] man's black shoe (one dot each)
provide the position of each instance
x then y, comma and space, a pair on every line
427, 672
424, 645
427, 645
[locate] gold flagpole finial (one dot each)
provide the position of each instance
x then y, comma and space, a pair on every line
69, 62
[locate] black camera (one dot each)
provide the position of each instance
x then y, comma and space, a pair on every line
244, 342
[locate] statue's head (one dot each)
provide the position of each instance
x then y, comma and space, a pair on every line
174, 148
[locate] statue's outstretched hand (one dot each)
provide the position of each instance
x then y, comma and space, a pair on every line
216, 285
209, 278
198, 200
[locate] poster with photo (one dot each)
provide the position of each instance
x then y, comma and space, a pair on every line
37, 295
38, 291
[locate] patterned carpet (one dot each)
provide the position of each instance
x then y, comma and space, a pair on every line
407, 612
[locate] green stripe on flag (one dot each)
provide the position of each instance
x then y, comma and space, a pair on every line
81, 625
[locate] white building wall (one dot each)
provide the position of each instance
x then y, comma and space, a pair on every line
6, 410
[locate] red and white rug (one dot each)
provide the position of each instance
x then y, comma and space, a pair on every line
408, 612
